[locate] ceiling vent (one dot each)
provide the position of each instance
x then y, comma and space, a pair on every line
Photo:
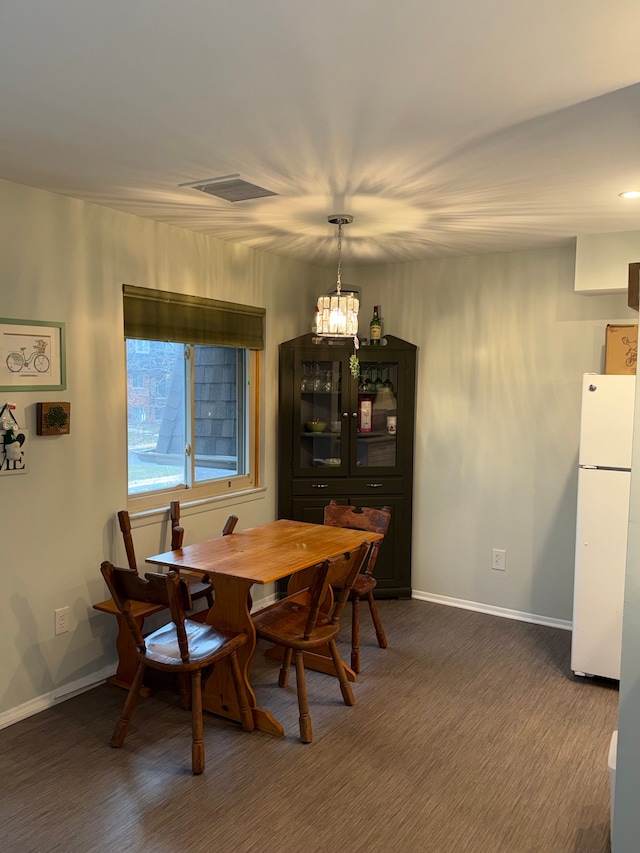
230, 188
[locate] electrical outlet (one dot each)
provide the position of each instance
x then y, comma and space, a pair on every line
499, 559
61, 617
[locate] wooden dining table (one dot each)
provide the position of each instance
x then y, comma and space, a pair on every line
257, 555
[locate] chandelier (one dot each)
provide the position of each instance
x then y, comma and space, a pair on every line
337, 313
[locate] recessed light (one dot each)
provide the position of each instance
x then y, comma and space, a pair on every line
630, 194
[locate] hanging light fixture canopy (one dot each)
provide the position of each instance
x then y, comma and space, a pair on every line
337, 313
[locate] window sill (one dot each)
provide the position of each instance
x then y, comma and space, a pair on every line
189, 502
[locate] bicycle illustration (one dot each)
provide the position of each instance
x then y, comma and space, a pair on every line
631, 353
17, 361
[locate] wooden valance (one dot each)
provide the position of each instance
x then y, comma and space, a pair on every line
160, 315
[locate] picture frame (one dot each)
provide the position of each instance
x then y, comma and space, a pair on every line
32, 355
633, 289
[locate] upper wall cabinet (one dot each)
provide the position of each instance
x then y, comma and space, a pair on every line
602, 261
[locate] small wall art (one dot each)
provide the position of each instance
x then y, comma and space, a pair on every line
13, 443
53, 418
32, 355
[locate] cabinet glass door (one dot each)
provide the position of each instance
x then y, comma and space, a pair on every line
377, 415
318, 443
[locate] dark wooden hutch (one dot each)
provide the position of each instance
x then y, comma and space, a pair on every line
350, 440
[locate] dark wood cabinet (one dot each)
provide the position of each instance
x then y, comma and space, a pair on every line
350, 440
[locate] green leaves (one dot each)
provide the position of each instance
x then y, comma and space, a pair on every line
354, 366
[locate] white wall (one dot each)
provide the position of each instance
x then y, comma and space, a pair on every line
65, 260
602, 261
504, 341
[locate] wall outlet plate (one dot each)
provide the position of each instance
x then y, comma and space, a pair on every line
499, 559
61, 616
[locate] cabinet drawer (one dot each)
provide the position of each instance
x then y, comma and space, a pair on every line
330, 486
320, 486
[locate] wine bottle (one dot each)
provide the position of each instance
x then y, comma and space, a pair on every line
375, 328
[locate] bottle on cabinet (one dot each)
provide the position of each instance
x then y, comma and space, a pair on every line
375, 328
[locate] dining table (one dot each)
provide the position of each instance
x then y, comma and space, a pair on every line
257, 555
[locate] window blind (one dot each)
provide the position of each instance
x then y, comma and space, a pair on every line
159, 315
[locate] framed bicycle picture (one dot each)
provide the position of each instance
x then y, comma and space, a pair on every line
32, 355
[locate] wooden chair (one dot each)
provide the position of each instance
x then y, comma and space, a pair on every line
365, 518
199, 586
299, 623
184, 647
140, 610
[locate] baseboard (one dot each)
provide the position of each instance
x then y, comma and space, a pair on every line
259, 603
48, 700
491, 610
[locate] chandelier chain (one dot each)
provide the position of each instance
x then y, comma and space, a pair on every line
339, 283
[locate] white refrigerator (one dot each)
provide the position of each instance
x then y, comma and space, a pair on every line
604, 478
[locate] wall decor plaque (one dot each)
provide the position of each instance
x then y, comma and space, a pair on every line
53, 418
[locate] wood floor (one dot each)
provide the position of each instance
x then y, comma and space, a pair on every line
469, 735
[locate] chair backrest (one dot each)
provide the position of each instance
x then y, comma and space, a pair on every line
230, 525
343, 570
125, 527
363, 518
343, 574
177, 531
125, 586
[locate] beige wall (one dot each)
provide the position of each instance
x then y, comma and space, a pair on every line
65, 260
504, 341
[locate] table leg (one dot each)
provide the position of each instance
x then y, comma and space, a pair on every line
127, 657
230, 611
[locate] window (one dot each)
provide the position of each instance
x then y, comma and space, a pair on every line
191, 403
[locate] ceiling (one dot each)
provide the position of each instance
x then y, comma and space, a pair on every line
449, 127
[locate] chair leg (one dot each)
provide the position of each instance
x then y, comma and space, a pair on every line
246, 716
283, 678
184, 689
120, 731
345, 687
377, 624
355, 633
209, 595
306, 735
197, 727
